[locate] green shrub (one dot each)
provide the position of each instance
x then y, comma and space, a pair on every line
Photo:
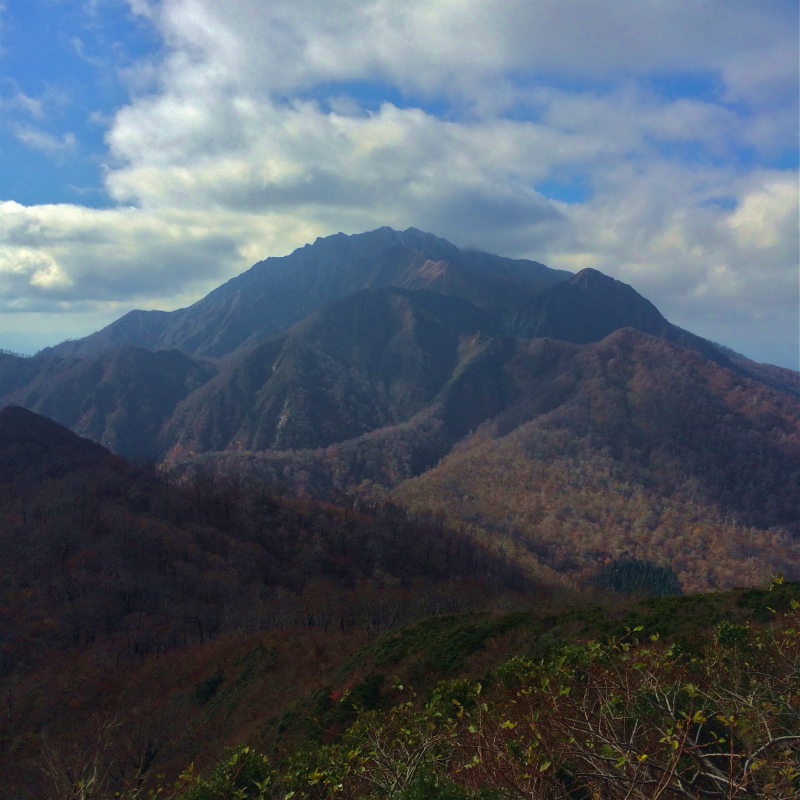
429, 786
242, 774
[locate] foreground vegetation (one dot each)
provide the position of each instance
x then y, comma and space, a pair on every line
695, 712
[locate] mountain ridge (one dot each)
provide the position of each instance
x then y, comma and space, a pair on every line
339, 372
276, 293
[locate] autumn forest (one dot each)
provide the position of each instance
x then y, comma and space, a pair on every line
388, 519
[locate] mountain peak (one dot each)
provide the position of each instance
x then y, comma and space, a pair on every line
278, 292
593, 280
589, 276
587, 308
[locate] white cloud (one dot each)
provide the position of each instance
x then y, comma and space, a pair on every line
44, 142
61, 253
76, 44
230, 149
768, 215
32, 265
19, 100
13, 100
455, 45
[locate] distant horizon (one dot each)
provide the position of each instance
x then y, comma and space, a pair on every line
152, 149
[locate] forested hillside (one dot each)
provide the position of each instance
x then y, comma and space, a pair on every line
652, 450
569, 456
107, 566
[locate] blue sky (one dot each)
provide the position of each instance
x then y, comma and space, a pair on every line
62, 66
150, 149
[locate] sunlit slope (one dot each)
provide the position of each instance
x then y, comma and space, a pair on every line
648, 448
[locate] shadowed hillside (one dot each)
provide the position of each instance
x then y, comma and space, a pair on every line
120, 398
107, 565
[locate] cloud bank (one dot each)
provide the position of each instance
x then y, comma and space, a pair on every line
656, 142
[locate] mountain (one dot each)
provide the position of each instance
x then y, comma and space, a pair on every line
278, 292
632, 444
353, 366
381, 434
275, 294
120, 397
567, 424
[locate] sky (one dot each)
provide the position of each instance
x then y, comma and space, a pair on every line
152, 149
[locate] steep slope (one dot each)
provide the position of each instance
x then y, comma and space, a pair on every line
369, 361
120, 398
278, 292
632, 444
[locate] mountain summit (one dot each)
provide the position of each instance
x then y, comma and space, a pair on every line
278, 292
586, 308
